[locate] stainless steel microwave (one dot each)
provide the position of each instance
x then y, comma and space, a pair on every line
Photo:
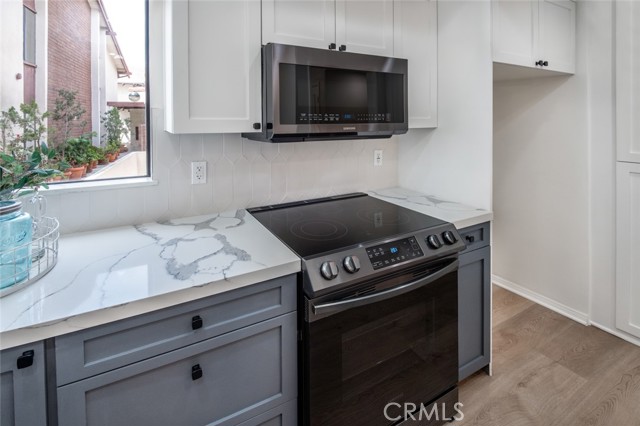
315, 94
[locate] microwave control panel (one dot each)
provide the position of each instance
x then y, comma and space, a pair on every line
340, 118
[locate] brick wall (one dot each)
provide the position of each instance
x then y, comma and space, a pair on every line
69, 53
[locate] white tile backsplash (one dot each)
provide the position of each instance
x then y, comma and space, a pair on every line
240, 173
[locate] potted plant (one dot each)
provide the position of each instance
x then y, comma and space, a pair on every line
96, 154
21, 172
115, 129
76, 154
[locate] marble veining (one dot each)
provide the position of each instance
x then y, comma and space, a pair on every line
111, 269
460, 215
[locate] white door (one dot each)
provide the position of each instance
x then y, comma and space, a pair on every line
416, 39
628, 80
212, 66
514, 25
556, 41
365, 26
628, 248
309, 23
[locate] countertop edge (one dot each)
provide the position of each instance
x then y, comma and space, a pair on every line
22, 336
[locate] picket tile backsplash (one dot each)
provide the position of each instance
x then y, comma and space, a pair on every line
240, 173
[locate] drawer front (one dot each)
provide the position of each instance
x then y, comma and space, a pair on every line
284, 415
475, 236
225, 380
103, 348
22, 386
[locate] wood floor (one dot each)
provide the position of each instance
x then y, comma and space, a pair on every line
551, 371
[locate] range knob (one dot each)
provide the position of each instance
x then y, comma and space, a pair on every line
329, 270
434, 242
351, 264
449, 237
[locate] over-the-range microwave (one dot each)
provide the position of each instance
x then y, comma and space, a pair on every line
314, 94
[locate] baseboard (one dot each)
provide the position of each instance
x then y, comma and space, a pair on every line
568, 312
618, 333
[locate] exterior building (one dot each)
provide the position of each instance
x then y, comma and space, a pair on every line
48, 45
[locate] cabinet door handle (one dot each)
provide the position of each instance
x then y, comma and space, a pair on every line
332, 46
542, 63
196, 372
256, 126
196, 322
342, 48
470, 238
545, 63
25, 360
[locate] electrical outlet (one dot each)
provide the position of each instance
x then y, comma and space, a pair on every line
377, 157
198, 172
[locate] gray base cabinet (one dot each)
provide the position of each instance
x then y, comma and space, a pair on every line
230, 359
22, 386
474, 301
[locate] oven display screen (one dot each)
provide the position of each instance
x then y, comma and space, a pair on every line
394, 252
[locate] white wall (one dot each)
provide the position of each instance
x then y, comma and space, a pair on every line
11, 89
454, 160
554, 177
241, 173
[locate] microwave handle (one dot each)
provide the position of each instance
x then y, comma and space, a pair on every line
319, 311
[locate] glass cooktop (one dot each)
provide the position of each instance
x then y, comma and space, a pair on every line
313, 227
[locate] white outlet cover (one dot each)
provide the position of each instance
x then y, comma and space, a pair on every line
198, 172
377, 157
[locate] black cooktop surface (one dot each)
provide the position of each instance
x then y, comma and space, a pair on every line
313, 227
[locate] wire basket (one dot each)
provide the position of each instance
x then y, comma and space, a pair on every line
43, 253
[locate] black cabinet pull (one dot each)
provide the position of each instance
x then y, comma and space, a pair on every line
256, 126
542, 63
342, 48
25, 360
332, 46
545, 63
196, 372
470, 238
196, 322
538, 63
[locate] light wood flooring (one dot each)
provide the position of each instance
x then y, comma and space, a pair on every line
551, 371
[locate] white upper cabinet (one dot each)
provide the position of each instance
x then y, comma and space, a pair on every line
537, 34
212, 66
300, 23
358, 26
416, 39
365, 26
628, 80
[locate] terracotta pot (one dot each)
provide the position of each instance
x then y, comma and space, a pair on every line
113, 156
66, 174
89, 167
104, 160
94, 164
84, 170
75, 172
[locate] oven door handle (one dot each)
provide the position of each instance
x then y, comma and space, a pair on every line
327, 309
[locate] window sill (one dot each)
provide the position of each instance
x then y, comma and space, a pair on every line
102, 185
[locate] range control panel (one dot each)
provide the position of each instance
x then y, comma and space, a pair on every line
394, 252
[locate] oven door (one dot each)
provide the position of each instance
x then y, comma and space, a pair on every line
389, 347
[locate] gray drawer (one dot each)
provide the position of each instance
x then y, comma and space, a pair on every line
284, 415
243, 374
476, 236
103, 348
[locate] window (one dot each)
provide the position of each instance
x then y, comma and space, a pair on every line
87, 91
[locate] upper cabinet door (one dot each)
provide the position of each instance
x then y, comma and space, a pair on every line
513, 28
301, 23
557, 35
416, 39
628, 80
212, 66
365, 26
536, 34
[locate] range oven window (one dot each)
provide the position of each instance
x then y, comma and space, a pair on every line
321, 95
402, 349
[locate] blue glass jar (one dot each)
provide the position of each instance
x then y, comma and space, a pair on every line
15, 243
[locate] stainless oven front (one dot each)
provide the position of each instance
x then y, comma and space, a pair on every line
369, 351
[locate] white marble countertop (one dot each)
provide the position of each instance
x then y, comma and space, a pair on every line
107, 275
459, 214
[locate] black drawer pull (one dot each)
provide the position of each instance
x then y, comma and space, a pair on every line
25, 360
196, 372
342, 48
470, 238
196, 322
